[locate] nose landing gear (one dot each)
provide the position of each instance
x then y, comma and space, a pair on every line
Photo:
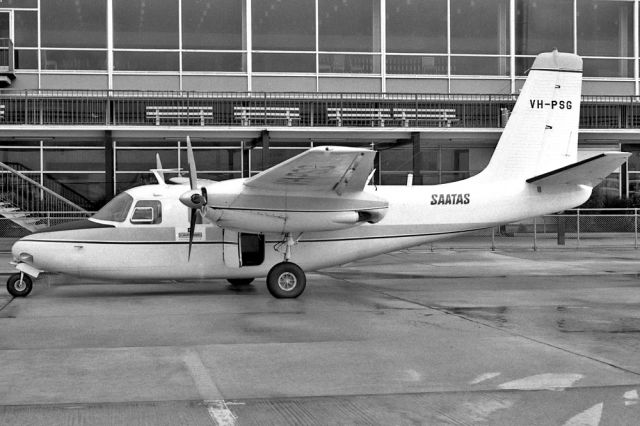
19, 284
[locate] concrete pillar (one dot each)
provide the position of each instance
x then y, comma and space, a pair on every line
266, 158
417, 174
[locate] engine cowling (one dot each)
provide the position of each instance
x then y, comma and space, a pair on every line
265, 221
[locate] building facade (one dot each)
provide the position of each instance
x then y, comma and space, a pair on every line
95, 88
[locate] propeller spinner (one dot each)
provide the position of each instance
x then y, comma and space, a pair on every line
196, 198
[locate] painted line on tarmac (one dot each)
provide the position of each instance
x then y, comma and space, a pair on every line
209, 392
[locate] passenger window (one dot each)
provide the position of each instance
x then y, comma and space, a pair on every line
147, 212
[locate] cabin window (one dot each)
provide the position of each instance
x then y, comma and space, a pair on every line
252, 249
117, 209
147, 212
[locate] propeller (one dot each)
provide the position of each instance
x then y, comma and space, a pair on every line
195, 199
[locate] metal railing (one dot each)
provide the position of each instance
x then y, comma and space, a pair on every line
59, 188
28, 203
152, 108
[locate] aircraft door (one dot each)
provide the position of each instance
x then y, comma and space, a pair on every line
230, 251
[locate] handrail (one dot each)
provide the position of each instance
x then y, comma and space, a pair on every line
41, 187
61, 189
45, 107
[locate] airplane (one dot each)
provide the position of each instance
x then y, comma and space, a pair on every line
318, 209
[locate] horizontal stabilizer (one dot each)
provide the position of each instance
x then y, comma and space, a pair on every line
588, 172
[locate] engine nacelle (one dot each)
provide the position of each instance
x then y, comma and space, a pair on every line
266, 221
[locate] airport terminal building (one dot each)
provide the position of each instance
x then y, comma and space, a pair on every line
93, 89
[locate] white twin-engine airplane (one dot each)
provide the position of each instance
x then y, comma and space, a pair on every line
317, 210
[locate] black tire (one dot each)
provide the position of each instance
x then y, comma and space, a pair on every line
286, 280
18, 287
240, 281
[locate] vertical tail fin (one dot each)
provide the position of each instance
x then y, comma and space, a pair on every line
542, 132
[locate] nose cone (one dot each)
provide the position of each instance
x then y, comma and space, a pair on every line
20, 251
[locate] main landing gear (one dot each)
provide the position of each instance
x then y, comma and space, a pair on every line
286, 280
19, 284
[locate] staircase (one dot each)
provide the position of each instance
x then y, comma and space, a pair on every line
32, 205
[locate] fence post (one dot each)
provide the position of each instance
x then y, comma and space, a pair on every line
493, 239
578, 226
535, 234
635, 228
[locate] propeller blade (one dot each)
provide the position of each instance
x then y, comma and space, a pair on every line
193, 177
192, 228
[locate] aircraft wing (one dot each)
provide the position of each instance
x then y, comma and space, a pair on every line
320, 169
322, 189
589, 172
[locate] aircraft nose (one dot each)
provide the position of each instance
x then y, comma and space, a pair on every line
21, 251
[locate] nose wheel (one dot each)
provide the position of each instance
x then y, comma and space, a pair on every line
286, 280
19, 285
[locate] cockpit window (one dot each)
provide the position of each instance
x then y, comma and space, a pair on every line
117, 209
147, 211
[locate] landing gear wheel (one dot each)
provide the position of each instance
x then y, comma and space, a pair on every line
239, 282
286, 280
19, 285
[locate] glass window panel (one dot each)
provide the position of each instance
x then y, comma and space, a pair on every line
145, 24
608, 68
417, 26
454, 160
20, 3
523, 65
429, 160
26, 59
480, 26
74, 60
633, 163
393, 178
283, 24
26, 29
206, 61
284, 62
276, 156
23, 158
542, 25
605, 28
88, 186
453, 177
212, 160
126, 181
5, 25
397, 159
145, 61
416, 64
143, 160
349, 25
73, 159
354, 64
71, 23
470, 65
212, 24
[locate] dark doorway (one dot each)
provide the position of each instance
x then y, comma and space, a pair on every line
252, 249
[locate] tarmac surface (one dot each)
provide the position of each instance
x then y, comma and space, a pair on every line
454, 334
